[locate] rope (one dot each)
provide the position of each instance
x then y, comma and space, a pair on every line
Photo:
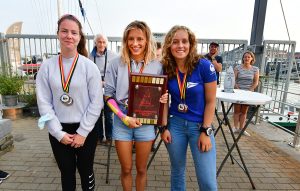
84, 15
36, 15
285, 20
97, 8
287, 30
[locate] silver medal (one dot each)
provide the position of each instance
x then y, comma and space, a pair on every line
66, 99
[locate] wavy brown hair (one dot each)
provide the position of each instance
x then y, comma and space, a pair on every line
168, 59
81, 47
252, 55
150, 48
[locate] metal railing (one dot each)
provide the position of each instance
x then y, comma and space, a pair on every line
21, 54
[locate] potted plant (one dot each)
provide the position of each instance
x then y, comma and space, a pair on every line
10, 86
31, 104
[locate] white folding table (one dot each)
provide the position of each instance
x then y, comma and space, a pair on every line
238, 97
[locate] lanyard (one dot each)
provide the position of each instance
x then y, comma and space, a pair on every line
141, 69
66, 83
105, 61
181, 85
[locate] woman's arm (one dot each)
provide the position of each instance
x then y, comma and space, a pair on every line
95, 96
255, 81
210, 103
204, 142
236, 86
44, 101
128, 121
165, 100
165, 133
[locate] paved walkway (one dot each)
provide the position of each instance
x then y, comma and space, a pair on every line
32, 166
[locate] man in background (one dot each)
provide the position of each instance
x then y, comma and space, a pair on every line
101, 56
158, 51
215, 59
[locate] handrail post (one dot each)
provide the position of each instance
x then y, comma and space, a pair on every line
296, 142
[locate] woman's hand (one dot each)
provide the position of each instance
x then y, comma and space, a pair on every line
78, 141
164, 97
134, 122
166, 136
67, 139
204, 143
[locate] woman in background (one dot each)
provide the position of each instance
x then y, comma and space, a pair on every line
246, 78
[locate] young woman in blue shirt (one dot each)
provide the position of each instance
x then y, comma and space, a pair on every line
192, 85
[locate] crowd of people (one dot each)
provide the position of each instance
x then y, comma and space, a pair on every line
83, 99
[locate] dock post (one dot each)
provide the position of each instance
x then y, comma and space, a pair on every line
296, 142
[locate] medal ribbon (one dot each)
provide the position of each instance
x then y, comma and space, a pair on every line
66, 83
181, 85
141, 69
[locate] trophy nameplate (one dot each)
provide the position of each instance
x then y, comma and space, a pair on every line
144, 93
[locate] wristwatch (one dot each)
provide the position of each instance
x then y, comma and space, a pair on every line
162, 129
208, 130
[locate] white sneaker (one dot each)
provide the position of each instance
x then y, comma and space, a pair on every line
246, 134
235, 130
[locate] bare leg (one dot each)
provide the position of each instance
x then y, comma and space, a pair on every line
142, 153
244, 110
124, 151
236, 115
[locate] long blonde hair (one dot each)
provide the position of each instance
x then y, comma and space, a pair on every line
168, 59
150, 48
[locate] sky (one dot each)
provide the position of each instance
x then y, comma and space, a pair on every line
209, 19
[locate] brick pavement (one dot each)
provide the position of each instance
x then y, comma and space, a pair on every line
32, 166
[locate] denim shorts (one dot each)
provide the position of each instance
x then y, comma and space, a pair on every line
121, 132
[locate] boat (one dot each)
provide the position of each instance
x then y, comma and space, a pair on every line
31, 66
287, 121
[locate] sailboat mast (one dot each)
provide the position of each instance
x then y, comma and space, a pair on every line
59, 8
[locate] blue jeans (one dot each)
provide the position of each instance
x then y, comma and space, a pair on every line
108, 123
185, 132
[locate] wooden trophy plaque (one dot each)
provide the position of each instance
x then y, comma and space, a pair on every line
144, 93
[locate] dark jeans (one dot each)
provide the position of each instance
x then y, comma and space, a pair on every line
68, 158
108, 123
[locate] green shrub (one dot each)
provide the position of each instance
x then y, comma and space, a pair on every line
30, 99
10, 85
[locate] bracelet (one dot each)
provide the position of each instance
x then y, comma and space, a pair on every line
162, 129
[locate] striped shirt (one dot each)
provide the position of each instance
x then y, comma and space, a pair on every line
245, 77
